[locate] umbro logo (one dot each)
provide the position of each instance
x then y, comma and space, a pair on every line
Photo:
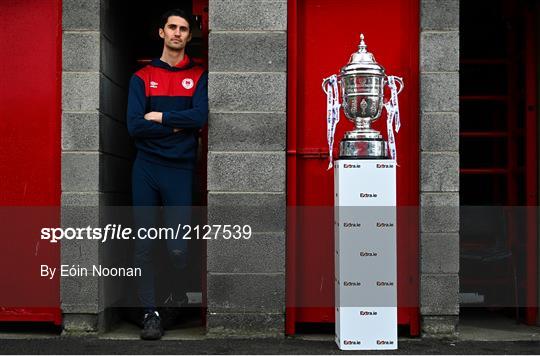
187, 83
153, 84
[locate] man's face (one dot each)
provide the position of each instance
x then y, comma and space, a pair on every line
176, 33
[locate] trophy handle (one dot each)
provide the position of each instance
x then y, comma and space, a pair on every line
401, 84
399, 89
323, 85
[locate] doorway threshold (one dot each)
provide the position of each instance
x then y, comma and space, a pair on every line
495, 328
129, 331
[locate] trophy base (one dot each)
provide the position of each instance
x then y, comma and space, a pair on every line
363, 149
362, 134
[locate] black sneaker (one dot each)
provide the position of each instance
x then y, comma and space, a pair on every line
152, 329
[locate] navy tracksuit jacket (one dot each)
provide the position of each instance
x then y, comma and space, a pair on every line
181, 94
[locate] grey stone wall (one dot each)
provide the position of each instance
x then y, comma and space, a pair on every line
96, 149
81, 158
439, 165
246, 165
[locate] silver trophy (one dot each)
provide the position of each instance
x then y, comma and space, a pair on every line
362, 82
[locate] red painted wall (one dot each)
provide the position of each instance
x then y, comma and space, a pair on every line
30, 152
322, 36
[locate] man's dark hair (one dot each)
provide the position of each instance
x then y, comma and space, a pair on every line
176, 12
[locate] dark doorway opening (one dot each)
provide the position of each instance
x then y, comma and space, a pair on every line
129, 41
498, 160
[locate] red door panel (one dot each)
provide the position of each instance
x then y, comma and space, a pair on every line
322, 36
30, 68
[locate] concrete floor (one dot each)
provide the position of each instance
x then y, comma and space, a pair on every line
491, 334
92, 345
187, 331
491, 327
495, 328
477, 328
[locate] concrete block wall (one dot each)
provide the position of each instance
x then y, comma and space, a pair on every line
439, 165
246, 165
96, 148
80, 297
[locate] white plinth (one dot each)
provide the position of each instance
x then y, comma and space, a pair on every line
365, 256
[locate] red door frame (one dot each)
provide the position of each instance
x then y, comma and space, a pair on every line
200, 8
290, 258
531, 166
46, 193
410, 313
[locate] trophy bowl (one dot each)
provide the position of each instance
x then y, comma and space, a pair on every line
362, 98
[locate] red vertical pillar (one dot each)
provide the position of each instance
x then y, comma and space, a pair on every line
30, 153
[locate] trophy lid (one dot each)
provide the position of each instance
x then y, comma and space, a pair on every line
362, 62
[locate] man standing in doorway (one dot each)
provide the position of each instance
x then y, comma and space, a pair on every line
167, 105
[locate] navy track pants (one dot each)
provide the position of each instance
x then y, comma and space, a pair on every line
153, 186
